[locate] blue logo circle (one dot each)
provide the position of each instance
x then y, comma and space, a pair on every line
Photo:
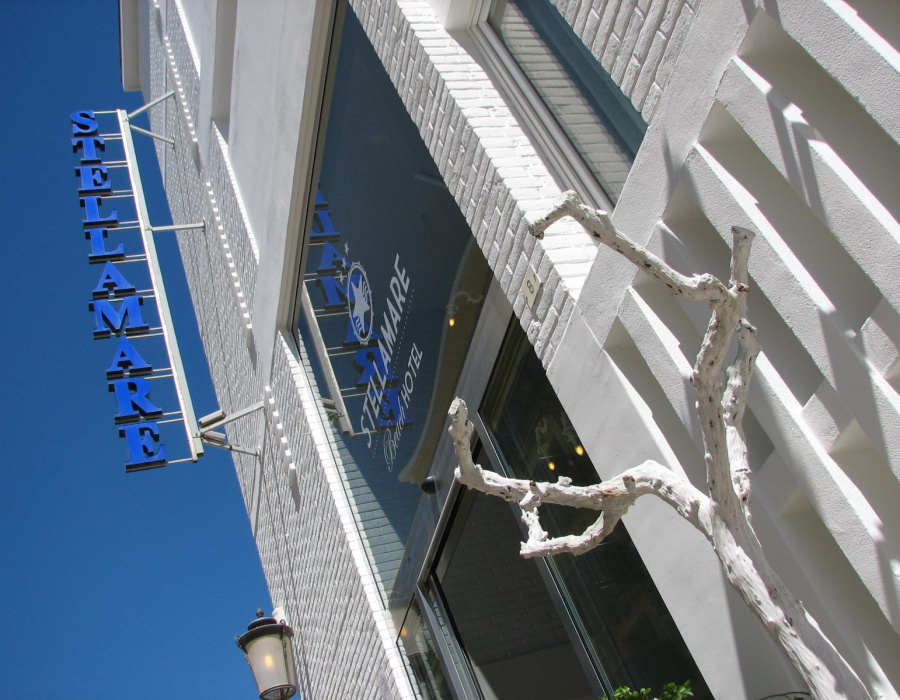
359, 303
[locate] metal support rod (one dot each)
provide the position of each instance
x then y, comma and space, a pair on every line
152, 103
180, 461
218, 419
232, 417
169, 141
334, 389
178, 227
165, 315
233, 448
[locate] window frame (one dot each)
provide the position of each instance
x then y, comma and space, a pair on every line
452, 519
566, 165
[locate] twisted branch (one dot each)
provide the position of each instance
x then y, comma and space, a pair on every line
613, 498
723, 516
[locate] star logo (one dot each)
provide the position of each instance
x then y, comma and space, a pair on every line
359, 303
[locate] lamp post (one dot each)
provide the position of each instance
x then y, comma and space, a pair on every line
267, 647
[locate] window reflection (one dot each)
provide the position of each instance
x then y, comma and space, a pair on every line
390, 262
418, 645
504, 615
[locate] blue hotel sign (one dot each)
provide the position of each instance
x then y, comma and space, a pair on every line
117, 305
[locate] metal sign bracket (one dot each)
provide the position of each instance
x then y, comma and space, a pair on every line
141, 110
179, 227
208, 424
153, 265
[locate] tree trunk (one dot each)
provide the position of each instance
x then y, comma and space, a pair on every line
723, 516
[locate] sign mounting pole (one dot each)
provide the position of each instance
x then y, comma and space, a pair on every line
162, 303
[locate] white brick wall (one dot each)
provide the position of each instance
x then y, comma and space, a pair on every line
495, 176
598, 147
310, 547
485, 158
637, 41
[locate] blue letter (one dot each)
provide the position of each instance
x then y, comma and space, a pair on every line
84, 123
112, 283
371, 362
392, 413
351, 338
127, 360
322, 227
110, 321
145, 451
92, 207
133, 400
335, 292
332, 260
90, 144
94, 178
99, 253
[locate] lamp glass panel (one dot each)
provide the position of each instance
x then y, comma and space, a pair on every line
266, 656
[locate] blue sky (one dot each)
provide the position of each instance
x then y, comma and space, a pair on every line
112, 585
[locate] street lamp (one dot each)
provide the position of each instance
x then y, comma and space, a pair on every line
267, 647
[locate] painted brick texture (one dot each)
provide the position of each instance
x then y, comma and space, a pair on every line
637, 41
311, 552
485, 158
315, 559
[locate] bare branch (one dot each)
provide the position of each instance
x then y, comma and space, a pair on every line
734, 399
739, 374
723, 516
618, 495
613, 497
742, 239
698, 287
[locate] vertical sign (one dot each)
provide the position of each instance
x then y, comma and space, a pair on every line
117, 305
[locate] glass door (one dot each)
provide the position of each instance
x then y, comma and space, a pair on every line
566, 628
505, 632
622, 620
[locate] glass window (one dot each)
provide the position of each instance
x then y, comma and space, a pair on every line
392, 287
622, 618
588, 106
418, 645
505, 617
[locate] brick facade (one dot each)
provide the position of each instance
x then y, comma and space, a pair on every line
733, 139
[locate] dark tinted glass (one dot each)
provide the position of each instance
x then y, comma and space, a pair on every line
393, 285
507, 620
621, 614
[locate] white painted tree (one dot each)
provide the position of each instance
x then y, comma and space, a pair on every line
723, 514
